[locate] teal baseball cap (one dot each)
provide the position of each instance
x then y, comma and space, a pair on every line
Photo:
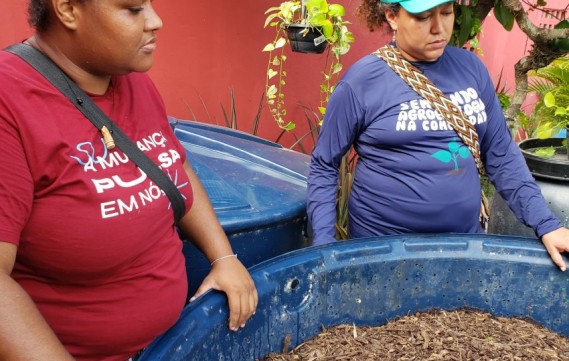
417, 6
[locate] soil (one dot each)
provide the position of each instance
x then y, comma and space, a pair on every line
434, 335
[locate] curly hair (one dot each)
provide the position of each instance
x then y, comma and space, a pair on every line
38, 14
372, 13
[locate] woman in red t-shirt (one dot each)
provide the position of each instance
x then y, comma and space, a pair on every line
91, 265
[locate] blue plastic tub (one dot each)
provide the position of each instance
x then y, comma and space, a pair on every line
369, 282
257, 189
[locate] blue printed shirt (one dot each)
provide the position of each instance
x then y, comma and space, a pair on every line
414, 174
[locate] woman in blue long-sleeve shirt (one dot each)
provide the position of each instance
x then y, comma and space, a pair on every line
414, 174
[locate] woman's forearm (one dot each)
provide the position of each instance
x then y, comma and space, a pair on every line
201, 225
24, 333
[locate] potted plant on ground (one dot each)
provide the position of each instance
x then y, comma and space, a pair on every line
310, 26
546, 153
551, 112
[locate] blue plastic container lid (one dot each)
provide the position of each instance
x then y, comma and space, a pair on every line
250, 181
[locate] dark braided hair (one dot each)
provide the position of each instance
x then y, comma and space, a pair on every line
372, 13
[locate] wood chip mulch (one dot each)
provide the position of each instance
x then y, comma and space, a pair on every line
433, 335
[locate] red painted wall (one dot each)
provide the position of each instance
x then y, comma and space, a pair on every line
207, 48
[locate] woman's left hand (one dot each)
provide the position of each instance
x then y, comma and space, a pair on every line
230, 276
557, 242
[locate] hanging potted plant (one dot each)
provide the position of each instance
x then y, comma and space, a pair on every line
309, 26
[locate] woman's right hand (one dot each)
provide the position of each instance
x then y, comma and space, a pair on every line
230, 276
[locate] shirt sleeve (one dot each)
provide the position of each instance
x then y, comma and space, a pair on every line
507, 169
340, 127
16, 184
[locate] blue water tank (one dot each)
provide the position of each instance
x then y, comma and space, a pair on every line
257, 189
370, 282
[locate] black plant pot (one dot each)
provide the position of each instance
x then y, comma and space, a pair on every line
551, 175
306, 39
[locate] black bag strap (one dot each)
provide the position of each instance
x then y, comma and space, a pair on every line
83, 102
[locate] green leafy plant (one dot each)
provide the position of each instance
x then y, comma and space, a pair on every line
467, 25
315, 15
551, 112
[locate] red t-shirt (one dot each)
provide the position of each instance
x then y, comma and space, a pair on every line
98, 251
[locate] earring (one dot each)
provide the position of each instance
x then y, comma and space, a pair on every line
394, 36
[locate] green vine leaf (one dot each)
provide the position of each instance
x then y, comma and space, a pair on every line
272, 92
337, 68
336, 10
289, 126
271, 73
280, 43
270, 17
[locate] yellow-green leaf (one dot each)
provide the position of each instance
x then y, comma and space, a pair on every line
549, 100
545, 152
318, 19
327, 28
280, 43
336, 9
270, 18
290, 126
271, 73
269, 47
544, 131
271, 92
337, 68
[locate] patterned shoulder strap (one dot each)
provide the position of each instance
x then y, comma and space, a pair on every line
440, 102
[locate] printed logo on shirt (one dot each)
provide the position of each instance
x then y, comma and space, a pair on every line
418, 114
133, 199
455, 150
